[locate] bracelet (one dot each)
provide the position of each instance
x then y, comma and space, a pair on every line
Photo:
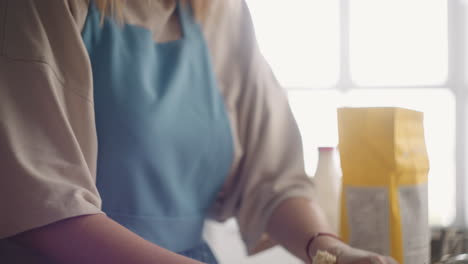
311, 241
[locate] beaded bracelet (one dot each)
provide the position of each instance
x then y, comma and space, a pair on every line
311, 240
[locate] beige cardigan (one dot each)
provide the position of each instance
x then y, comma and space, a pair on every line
48, 144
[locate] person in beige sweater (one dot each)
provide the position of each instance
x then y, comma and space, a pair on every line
122, 128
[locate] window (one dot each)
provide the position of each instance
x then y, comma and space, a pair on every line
372, 53
398, 42
286, 35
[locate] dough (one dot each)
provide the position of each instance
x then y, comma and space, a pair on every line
323, 257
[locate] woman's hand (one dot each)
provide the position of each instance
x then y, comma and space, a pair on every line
348, 255
294, 223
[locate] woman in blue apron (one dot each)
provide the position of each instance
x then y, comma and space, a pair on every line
164, 137
96, 116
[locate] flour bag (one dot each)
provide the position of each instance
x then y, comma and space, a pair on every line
384, 204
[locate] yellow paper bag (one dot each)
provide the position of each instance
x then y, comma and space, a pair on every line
384, 206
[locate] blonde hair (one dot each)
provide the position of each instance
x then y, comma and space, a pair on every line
114, 7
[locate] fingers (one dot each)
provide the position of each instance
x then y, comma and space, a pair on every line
363, 261
390, 260
382, 260
366, 261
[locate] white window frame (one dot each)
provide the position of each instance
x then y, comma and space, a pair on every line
457, 68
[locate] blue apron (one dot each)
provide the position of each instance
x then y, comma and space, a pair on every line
164, 138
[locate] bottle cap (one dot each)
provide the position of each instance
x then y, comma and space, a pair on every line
326, 148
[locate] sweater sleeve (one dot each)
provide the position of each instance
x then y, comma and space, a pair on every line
48, 145
269, 165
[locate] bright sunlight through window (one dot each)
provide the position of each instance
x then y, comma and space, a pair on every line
398, 42
299, 38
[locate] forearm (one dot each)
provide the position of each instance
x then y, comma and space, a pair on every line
294, 222
95, 239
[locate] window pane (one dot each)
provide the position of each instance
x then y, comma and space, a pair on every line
438, 106
315, 113
299, 38
398, 42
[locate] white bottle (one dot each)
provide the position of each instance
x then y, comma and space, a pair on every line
328, 184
